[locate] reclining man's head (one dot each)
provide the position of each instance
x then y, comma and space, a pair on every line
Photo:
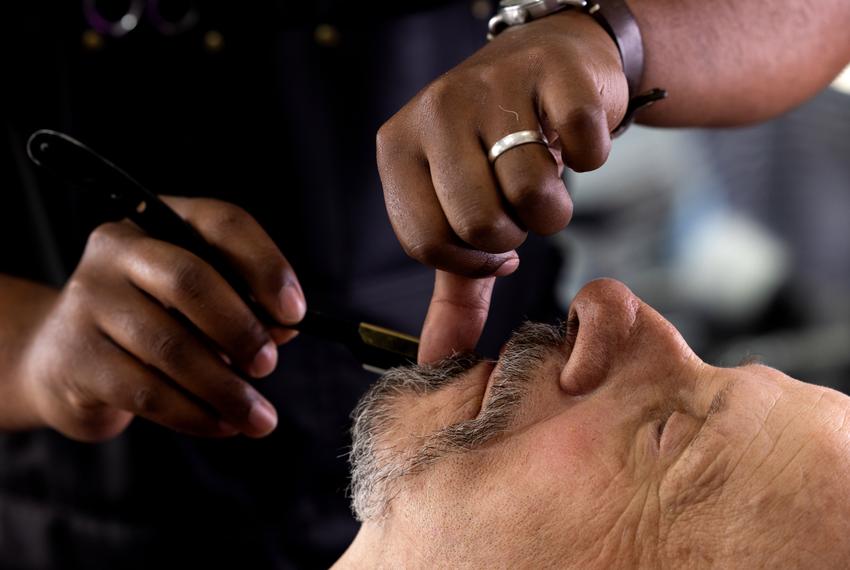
607, 444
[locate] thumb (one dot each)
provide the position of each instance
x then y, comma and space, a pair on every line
456, 316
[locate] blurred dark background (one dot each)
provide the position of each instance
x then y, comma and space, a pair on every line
739, 236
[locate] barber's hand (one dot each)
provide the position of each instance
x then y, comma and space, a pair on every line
450, 207
146, 328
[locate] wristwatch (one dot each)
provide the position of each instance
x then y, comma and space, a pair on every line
515, 12
615, 18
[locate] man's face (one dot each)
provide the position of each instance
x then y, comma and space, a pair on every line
609, 445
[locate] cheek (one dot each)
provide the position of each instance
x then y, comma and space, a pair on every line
571, 461
557, 483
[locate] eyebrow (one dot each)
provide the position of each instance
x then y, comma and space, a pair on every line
719, 402
751, 359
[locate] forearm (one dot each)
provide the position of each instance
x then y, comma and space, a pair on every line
23, 307
727, 62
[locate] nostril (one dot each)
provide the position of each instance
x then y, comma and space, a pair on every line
601, 322
571, 328
567, 381
588, 334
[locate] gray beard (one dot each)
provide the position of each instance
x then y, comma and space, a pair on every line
376, 469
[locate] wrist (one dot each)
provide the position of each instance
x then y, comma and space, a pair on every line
24, 306
617, 21
597, 50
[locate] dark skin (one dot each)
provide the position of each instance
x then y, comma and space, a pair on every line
144, 328
723, 63
108, 347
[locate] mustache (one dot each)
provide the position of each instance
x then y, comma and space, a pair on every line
524, 352
375, 466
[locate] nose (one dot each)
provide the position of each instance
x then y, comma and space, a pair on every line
616, 329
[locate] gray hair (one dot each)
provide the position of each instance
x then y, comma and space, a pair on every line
377, 466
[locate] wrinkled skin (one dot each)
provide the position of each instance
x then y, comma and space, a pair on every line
749, 470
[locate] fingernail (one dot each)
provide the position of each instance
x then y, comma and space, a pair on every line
282, 336
265, 361
292, 303
262, 417
508, 267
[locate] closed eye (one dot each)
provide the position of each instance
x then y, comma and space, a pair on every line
662, 423
660, 428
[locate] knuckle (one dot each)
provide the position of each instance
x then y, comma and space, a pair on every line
524, 194
545, 218
75, 411
439, 96
235, 400
474, 230
536, 55
591, 158
102, 242
601, 151
394, 142
168, 348
589, 125
96, 427
186, 280
543, 197
92, 422
77, 290
248, 340
145, 400
586, 120
103, 236
226, 218
80, 301
425, 251
274, 271
479, 230
488, 75
78, 401
561, 214
385, 137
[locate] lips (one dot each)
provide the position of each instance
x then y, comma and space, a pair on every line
488, 381
603, 314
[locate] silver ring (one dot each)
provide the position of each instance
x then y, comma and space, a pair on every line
515, 139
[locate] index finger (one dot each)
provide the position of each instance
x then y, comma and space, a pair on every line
250, 251
456, 316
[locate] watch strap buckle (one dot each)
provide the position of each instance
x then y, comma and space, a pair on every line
637, 103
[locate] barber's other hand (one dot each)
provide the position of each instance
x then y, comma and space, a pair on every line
146, 328
450, 207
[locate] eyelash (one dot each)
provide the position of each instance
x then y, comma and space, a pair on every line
659, 430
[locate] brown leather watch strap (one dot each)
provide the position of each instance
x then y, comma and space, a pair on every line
617, 20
